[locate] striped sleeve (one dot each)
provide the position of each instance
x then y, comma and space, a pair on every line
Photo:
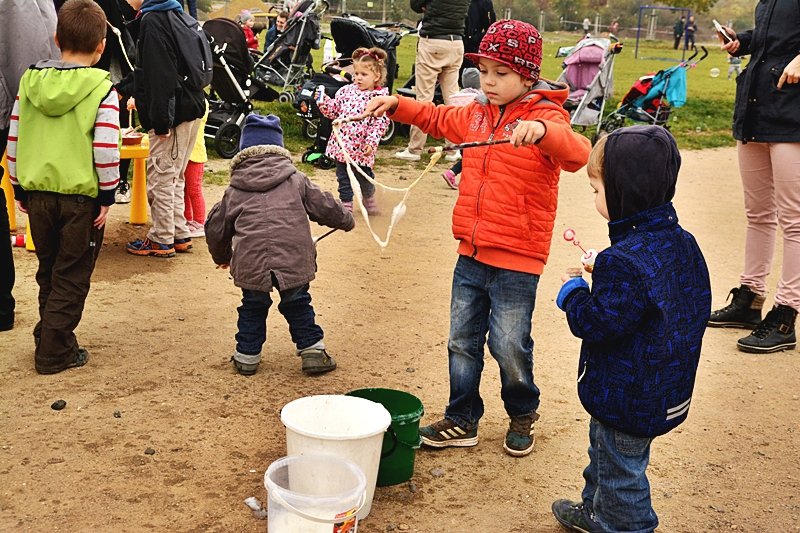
105, 146
11, 152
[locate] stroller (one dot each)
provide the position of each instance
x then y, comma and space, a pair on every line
286, 64
231, 85
652, 98
349, 33
589, 74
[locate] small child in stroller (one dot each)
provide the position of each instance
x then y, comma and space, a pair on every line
360, 138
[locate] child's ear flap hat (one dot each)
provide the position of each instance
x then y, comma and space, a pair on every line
260, 129
515, 44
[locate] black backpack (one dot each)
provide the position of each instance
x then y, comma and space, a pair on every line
195, 62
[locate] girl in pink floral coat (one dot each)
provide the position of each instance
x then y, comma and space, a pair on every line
361, 137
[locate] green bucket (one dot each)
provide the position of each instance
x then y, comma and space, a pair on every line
401, 440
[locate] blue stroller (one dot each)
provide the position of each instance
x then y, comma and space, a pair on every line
652, 98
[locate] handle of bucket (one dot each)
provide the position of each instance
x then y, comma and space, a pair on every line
319, 519
390, 429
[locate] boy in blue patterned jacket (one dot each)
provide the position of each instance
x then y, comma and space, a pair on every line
642, 327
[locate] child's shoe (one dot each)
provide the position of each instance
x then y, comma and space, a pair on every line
196, 230
446, 433
348, 206
316, 361
183, 245
407, 156
245, 365
520, 438
123, 193
575, 517
147, 247
449, 178
371, 204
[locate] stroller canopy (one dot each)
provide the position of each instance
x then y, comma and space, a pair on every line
228, 43
588, 73
352, 33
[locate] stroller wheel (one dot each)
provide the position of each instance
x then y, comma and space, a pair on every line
389, 135
326, 163
310, 128
286, 97
226, 141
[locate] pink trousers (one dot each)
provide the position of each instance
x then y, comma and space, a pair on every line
195, 204
771, 182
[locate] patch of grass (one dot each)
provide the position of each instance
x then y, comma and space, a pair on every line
216, 177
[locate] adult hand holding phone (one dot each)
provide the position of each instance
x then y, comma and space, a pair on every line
727, 38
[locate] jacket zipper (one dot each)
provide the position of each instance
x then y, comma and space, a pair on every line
586, 364
480, 189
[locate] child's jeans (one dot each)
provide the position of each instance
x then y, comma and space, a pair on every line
295, 306
617, 490
499, 302
345, 190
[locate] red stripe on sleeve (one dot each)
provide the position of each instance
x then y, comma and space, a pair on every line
14, 117
12, 138
109, 106
104, 145
12, 159
106, 125
108, 183
106, 165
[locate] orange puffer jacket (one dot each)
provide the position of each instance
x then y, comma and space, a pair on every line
507, 196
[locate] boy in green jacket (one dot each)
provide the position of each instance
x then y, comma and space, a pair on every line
63, 155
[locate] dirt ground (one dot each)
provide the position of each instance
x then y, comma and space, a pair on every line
160, 334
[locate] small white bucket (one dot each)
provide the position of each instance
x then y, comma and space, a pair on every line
345, 426
314, 494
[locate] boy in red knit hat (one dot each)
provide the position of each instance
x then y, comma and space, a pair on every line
503, 219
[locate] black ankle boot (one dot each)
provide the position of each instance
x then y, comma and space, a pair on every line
744, 311
773, 334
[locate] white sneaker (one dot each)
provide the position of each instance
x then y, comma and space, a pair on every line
407, 156
195, 229
123, 194
456, 156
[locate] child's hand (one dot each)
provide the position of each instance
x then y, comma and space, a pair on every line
131, 103
527, 132
100, 221
223, 266
368, 149
380, 105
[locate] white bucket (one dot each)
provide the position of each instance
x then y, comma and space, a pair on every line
314, 494
348, 427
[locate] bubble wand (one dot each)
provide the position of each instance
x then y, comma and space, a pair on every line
588, 257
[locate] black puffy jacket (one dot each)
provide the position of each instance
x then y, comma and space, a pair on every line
441, 17
762, 112
163, 101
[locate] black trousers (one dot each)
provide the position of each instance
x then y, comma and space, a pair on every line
67, 246
6, 257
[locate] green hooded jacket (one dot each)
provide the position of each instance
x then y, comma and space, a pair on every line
57, 111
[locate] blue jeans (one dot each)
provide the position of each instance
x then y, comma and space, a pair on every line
345, 190
617, 490
499, 302
295, 306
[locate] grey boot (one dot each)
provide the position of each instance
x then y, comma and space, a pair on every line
316, 361
744, 311
245, 365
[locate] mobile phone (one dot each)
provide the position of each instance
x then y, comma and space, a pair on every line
722, 31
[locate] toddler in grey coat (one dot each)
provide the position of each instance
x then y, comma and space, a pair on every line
260, 229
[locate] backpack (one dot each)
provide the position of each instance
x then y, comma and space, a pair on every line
195, 62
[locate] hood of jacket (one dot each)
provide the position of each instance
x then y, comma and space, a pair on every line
641, 169
261, 168
160, 5
55, 91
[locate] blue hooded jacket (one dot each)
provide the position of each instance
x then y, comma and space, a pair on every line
643, 320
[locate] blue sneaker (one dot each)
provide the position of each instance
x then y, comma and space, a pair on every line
147, 247
446, 433
520, 438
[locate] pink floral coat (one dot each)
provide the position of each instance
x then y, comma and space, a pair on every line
351, 101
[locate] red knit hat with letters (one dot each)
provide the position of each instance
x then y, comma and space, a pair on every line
513, 43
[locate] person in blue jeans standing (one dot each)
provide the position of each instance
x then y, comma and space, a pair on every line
642, 327
266, 211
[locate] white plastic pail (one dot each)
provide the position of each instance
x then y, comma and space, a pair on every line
345, 426
314, 494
